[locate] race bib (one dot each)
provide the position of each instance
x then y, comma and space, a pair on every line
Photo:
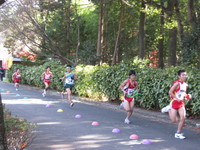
130, 91
47, 76
181, 94
69, 81
18, 76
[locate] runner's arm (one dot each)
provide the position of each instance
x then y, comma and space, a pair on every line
172, 89
51, 74
122, 85
42, 76
75, 77
13, 76
63, 77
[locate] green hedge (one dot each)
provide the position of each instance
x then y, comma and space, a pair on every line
102, 82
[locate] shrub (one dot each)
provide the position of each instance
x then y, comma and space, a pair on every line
18, 131
102, 82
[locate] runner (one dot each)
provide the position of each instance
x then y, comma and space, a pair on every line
1, 73
17, 78
177, 106
129, 87
69, 78
46, 76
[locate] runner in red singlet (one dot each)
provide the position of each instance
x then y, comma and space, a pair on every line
17, 78
46, 76
177, 106
128, 87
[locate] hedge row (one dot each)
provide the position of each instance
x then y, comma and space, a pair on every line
102, 82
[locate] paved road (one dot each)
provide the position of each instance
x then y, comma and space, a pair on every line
62, 131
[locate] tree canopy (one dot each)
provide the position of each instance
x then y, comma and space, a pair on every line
104, 31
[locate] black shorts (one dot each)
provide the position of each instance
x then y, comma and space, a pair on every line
70, 86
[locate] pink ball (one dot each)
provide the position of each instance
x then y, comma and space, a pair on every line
48, 105
95, 123
78, 116
115, 130
134, 137
146, 142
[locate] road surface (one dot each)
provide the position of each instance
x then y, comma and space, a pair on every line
62, 131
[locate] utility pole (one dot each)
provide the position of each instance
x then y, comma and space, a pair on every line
3, 143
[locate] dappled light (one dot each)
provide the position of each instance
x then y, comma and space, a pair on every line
48, 123
28, 101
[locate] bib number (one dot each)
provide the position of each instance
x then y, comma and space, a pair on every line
69, 81
130, 91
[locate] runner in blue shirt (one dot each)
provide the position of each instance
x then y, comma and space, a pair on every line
69, 78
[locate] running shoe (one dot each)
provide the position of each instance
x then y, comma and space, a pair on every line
166, 109
179, 136
43, 94
71, 104
121, 106
127, 121
62, 95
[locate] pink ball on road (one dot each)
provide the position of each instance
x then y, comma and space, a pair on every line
146, 142
134, 137
78, 116
48, 105
95, 123
115, 130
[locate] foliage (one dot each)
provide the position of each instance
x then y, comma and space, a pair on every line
18, 131
191, 51
54, 29
32, 75
102, 82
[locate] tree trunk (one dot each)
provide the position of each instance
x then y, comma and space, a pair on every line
161, 41
78, 33
116, 50
179, 21
100, 31
3, 143
191, 14
105, 49
142, 32
68, 25
172, 35
172, 47
197, 8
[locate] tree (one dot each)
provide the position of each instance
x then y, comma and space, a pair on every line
191, 14
161, 40
142, 31
172, 34
115, 59
179, 21
172, 47
30, 30
100, 30
97, 31
2, 1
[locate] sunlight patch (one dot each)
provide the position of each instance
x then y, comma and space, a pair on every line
48, 123
28, 101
